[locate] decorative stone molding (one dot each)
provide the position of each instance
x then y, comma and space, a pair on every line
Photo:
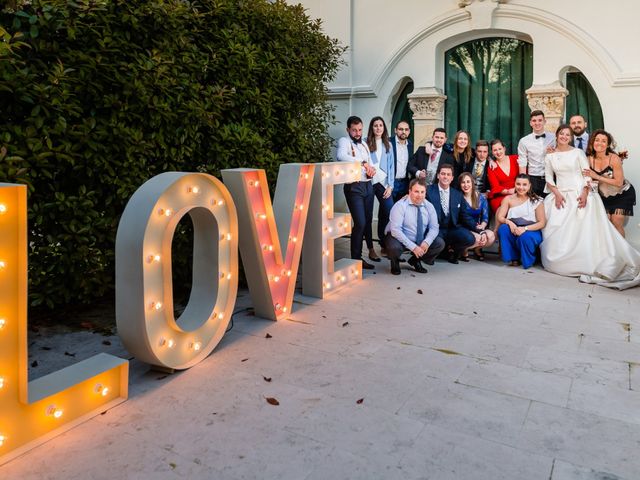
427, 105
551, 100
466, 3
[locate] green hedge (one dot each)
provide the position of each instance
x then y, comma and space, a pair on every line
99, 96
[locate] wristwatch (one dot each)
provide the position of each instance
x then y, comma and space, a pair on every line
526, 229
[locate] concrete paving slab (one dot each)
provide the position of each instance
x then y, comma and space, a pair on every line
491, 372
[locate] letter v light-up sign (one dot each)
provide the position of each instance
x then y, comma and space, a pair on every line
33, 412
320, 274
271, 236
144, 294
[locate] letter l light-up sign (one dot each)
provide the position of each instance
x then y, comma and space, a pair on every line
33, 412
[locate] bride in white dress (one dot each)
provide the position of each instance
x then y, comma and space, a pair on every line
579, 240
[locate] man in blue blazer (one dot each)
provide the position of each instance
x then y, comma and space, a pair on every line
453, 214
402, 153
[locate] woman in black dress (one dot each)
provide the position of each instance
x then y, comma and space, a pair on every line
618, 195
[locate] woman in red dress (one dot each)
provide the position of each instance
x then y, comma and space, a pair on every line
502, 178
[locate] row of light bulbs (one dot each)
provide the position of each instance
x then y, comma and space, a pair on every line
3, 322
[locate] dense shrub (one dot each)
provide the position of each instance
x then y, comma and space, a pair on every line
97, 96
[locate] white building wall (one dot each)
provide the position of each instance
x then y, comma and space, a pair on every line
389, 42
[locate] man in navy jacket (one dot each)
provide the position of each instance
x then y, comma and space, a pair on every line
453, 215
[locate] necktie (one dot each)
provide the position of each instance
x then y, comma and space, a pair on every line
419, 224
434, 154
444, 202
543, 135
579, 143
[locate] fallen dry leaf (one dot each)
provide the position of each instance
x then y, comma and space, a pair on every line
360, 401
272, 401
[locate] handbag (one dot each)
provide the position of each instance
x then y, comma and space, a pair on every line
522, 222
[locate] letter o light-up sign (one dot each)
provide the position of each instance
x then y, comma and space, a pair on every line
33, 412
144, 294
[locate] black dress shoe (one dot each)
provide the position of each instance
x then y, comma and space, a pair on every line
417, 266
453, 258
395, 267
367, 266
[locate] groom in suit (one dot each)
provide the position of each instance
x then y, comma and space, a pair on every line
453, 214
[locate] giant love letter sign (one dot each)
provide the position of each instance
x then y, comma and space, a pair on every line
320, 274
32, 412
144, 297
267, 231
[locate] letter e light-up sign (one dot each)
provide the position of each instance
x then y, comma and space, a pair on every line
33, 412
271, 237
144, 294
320, 274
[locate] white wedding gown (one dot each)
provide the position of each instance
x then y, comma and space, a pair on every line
582, 241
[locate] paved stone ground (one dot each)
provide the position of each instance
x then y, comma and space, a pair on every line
492, 372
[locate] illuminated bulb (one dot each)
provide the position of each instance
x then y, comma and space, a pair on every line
276, 278
1, 382
325, 174
2, 440
306, 176
3, 208
228, 276
54, 412
261, 216
325, 253
254, 183
326, 285
102, 390
284, 309
156, 305
196, 346
166, 213
153, 258
225, 237
267, 248
194, 189
228, 236
220, 316
171, 343
301, 207
340, 225
293, 239
354, 273
2, 264
3, 322
217, 202
288, 273
343, 278
326, 207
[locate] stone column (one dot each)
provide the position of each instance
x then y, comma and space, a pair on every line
427, 105
550, 99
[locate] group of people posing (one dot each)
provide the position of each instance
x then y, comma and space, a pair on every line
563, 198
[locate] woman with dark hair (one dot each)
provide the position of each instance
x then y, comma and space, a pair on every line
579, 239
478, 209
605, 168
522, 218
462, 153
502, 178
382, 159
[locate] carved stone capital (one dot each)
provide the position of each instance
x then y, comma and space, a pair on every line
427, 103
550, 99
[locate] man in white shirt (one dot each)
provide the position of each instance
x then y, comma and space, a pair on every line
402, 152
359, 195
579, 128
532, 149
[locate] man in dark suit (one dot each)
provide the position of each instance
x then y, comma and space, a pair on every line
402, 153
453, 214
425, 164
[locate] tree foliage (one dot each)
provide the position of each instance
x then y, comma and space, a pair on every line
98, 96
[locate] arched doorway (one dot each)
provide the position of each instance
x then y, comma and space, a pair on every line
485, 83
